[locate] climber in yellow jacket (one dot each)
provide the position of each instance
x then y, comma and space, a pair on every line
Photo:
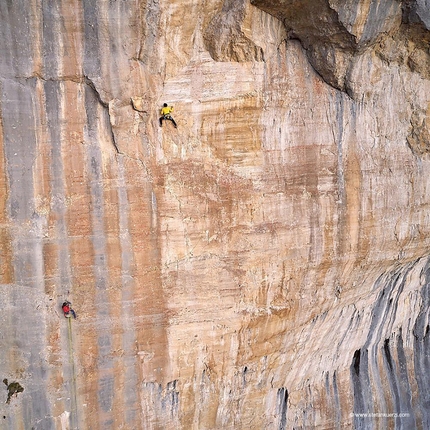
165, 114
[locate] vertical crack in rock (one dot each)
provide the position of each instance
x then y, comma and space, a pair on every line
392, 377
360, 383
244, 372
92, 56
105, 105
282, 407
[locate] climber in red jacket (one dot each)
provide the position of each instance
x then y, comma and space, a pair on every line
67, 310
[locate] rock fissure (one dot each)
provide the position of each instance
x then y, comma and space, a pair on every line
106, 106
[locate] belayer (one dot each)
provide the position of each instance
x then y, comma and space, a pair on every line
67, 310
165, 114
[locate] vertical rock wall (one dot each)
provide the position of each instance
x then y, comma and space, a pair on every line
265, 265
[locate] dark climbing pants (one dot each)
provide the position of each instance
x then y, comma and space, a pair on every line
67, 314
169, 118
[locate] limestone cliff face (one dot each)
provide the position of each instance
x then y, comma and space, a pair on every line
265, 265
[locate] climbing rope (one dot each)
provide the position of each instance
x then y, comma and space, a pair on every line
73, 398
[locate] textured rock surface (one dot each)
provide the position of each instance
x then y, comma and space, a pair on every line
265, 265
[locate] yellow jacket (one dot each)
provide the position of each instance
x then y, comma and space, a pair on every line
166, 110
